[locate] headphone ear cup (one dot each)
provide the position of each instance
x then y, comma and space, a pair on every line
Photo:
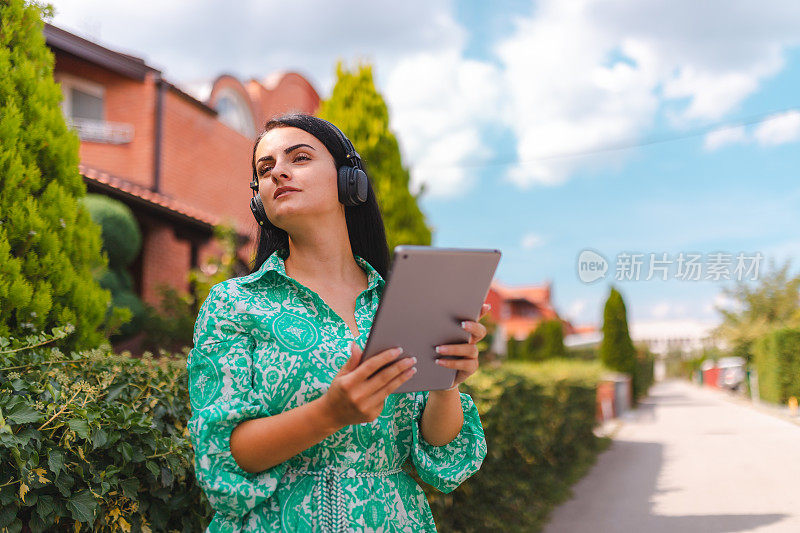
361, 190
257, 207
353, 186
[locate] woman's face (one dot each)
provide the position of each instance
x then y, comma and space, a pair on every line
291, 157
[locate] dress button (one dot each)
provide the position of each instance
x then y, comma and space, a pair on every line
351, 472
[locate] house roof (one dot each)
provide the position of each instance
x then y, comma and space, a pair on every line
539, 294
143, 196
123, 64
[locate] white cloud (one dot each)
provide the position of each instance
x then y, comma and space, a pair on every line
588, 74
532, 240
192, 39
668, 309
782, 128
724, 136
577, 308
439, 102
575, 76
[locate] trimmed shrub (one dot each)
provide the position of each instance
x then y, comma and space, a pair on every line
777, 361
538, 419
122, 238
98, 441
94, 441
616, 349
643, 373
121, 242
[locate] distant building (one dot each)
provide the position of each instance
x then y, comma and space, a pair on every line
179, 157
584, 336
664, 336
518, 310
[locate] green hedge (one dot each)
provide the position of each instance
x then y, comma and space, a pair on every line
643, 376
95, 438
100, 439
777, 361
538, 419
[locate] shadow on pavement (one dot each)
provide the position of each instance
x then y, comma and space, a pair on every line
618, 495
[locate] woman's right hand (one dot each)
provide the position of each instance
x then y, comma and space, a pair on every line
358, 392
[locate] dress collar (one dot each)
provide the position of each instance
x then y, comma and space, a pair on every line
275, 263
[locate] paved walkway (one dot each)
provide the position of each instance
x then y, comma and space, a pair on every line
690, 461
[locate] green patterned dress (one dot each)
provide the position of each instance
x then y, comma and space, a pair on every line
263, 344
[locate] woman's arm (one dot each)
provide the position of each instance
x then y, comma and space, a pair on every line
442, 418
262, 443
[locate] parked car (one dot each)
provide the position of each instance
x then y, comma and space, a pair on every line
731, 372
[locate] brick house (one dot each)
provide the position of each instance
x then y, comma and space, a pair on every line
179, 157
518, 310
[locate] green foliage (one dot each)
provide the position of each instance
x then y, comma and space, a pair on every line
361, 113
101, 440
95, 441
513, 351
643, 374
546, 341
485, 353
777, 361
759, 308
169, 327
216, 269
538, 419
616, 349
122, 239
583, 353
50, 249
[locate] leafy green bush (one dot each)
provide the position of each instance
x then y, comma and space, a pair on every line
98, 442
95, 439
538, 419
616, 349
583, 353
49, 246
777, 361
122, 238
643, 372
544, 342
171, 325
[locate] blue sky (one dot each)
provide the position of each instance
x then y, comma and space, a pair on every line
672, 197
494, 103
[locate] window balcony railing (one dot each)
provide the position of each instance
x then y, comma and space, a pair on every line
102, 131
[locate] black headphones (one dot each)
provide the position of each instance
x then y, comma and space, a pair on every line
352, 180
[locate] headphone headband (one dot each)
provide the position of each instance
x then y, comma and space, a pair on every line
350, 151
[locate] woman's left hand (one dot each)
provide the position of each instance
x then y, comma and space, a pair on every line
464, 357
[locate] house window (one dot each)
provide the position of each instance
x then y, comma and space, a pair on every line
84, 109
85, 105
235, 112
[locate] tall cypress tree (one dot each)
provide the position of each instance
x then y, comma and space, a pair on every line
616, 349
361, 113
50, 249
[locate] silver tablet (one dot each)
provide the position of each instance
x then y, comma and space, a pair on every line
428, 292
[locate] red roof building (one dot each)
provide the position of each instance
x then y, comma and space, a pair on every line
179, 157
518, 310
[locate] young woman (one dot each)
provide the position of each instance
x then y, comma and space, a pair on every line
289, 433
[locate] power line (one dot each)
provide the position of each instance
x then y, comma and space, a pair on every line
756, 119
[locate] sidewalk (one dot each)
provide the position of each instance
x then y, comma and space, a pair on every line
691, 460
778, 411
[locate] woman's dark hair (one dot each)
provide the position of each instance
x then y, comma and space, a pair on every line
364, 222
